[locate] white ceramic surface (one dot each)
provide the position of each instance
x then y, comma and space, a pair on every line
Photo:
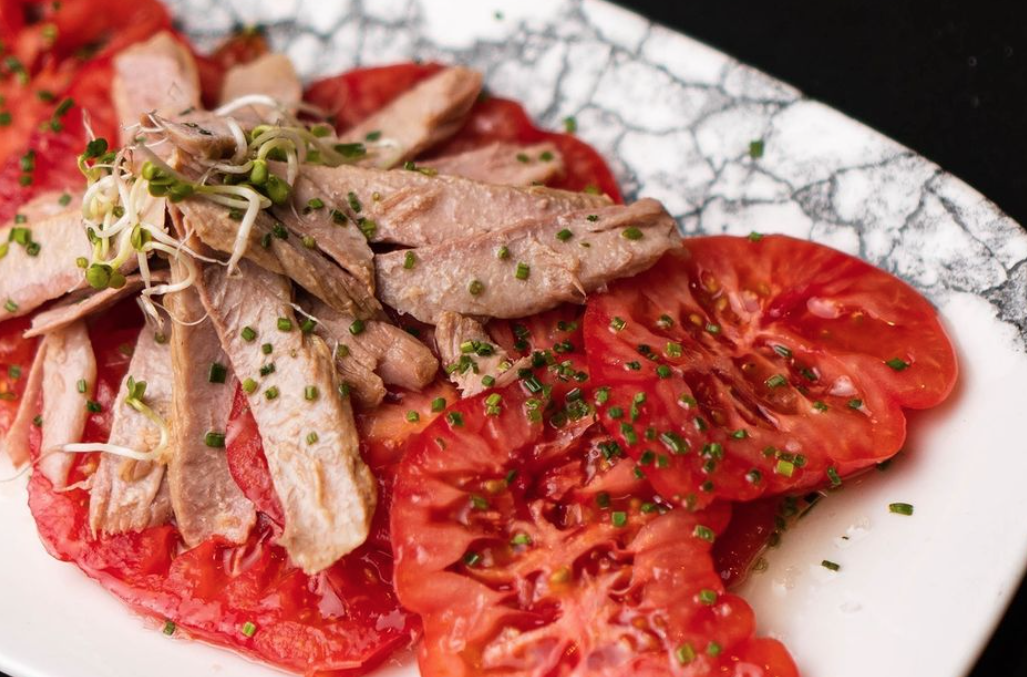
915, 595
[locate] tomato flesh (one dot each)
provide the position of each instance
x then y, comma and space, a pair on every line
529, 550
495, 119
753, 366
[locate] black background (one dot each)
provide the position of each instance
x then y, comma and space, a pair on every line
946, 78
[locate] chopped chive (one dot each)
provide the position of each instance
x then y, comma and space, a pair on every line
271, 393
308, 326
705, 533
783, 467
897, 364
570, 124
617, 324
523, 271
488, 380
755, 237
81, 386
663, 371
832, 475
249, 629
410, 260
218, 373
472, 558
284, 324
855, 404
312, 438
311, 393
618, 518
685, 654
249, 385
357, 327
455, 419
267, 369
632, 233
438, 404
521, 539
776, 381
214, 440
479, 502
713, 649
93, 406
564, 235
828, 564
413, 416
503, 252
248, 334
279, 231
476, 287
756, 149
10, 306
901, 508
707, 596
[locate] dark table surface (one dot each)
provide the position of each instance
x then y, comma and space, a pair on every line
946, 78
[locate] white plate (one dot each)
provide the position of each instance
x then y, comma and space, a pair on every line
915, 595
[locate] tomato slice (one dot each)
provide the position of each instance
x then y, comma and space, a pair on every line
354, 95
558, 330
344, 621
529, 550
495, 119
739, 367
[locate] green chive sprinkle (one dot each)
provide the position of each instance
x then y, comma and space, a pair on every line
410, 260
476, 287
249, 385
564, 235
438, 404
685, 654
901, 508
312, 438
632, 233
214, 440
249, 629
311, 393
618, 518
897, 364
284, 324
169, 628
705, 533
248, 334
413, 416
218, 373
523, 271
357, 327
828, 564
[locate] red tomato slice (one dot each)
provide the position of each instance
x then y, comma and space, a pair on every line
242, 48
527, 552
557, 330
493, 119
344, 621
746, 537
54, 70
356, 94
738, 367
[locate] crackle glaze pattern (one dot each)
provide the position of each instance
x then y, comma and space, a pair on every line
676, 118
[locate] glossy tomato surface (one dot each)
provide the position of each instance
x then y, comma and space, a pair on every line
529, 548
345, 620
738, 367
